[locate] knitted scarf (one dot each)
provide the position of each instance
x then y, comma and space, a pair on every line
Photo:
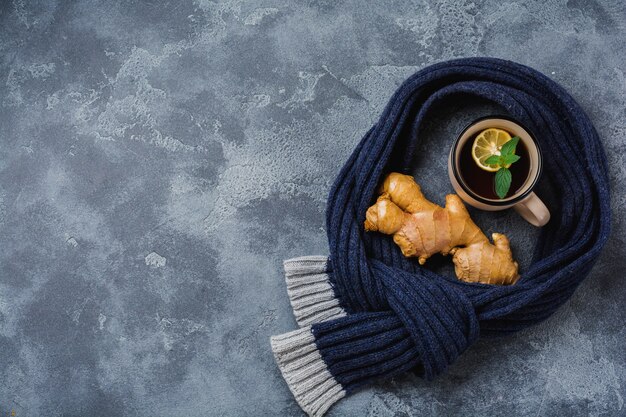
367, 312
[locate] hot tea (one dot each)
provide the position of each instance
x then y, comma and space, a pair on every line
494, 164
482, 182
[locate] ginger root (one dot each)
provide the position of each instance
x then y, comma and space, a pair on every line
421, 228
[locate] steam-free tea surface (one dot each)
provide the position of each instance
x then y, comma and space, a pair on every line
482, 182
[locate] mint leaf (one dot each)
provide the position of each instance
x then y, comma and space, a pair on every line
493, 160
509, 159
503, 182
509, 147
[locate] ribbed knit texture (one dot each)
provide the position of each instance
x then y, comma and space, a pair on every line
396, 315
310, 292
304, 370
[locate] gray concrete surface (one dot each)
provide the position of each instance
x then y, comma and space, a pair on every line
159, 159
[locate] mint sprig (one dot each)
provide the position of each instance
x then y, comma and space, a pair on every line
503, 161
503, 181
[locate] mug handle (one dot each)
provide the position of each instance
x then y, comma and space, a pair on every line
533, 210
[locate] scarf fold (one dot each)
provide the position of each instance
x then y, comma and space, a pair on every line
367, 312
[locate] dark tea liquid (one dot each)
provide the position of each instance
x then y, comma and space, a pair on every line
482, 182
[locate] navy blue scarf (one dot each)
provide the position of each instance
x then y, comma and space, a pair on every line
369, 312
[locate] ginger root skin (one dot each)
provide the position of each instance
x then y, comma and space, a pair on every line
422, 228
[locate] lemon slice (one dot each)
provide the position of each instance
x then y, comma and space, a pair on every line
487, 143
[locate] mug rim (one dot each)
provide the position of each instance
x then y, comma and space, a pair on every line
511, 200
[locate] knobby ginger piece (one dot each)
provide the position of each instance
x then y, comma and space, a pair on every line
421, 229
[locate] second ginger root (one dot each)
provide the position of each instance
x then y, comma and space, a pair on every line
422, 228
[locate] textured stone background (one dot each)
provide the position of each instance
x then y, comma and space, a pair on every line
159, 159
